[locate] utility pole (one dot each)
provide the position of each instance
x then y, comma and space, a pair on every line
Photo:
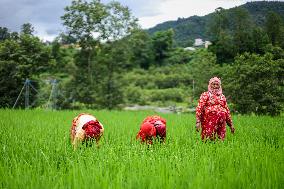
52, 97
27, 93
193, 90
19, 95
26, 86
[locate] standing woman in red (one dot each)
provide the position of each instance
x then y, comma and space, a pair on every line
212, 112
152, 127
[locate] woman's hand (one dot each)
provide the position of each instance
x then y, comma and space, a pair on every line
198, 126
232, 129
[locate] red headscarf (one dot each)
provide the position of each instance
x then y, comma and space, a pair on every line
152, 127
92, 129
147, 131
161, 131
217, 92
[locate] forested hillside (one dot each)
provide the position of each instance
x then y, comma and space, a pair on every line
188, 29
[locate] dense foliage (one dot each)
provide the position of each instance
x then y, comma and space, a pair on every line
188, 29
93, 65
258, 86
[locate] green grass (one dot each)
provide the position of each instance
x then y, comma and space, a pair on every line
36, 153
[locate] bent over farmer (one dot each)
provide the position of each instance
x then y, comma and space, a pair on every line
152, 127
85, 128
212, 112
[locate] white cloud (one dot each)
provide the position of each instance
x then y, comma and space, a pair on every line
44, 15
173, 9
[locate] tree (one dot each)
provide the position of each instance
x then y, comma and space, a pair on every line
222, 40
27, 29
118, 23
178, 56
93, 23
34, 57
10, 83
242, 31
63, 57
202, 68
162, 44
273, 26
243, 37
254, 84
219, 24
260, 40
14, 35
112, 58
4, 33
80, 88
141, 49
83, 21
26, 58
66, 39
224, 48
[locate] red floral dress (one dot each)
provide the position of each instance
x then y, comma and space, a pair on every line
213, 113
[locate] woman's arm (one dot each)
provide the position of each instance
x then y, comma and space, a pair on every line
200, 107
229, 118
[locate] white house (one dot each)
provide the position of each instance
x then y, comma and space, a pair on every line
207, 43
198, 42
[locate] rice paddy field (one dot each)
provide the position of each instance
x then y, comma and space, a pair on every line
36, 153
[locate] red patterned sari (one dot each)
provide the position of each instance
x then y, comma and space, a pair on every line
213, 113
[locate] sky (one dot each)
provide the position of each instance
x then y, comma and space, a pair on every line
45, 15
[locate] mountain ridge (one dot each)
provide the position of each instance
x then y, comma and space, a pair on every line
188, 29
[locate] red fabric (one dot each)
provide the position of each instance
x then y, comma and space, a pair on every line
152, 127
161, 131
213, 113
146, 133
214, 125
212, 103
92, 129
153, 119
74, 122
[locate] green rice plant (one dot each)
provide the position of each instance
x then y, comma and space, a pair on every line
36, 153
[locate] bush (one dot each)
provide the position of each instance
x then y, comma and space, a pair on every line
134, 95
256, 85
173, 94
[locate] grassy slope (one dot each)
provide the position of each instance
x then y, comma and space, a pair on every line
35, 153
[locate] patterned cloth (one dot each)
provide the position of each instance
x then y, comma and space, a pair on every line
213, 113
152, 127
215, 123
85, 127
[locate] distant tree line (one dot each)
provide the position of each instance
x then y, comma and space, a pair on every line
188, 29
105, 60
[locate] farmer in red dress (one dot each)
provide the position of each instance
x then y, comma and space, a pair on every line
152, 127
212, 112
85, 127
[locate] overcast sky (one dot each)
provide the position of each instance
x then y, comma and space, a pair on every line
44, 15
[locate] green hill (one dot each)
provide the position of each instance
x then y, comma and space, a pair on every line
188, 29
